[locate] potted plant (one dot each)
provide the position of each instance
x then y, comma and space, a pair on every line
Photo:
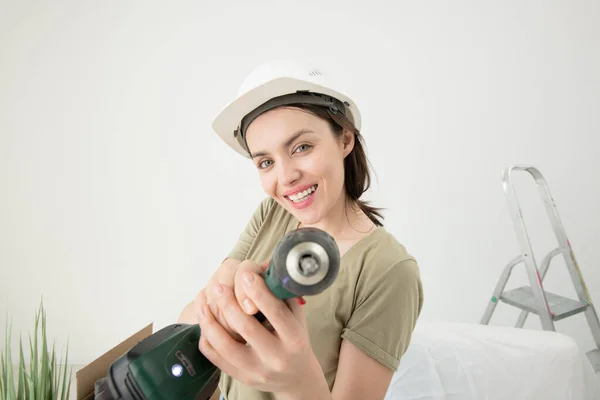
43, 377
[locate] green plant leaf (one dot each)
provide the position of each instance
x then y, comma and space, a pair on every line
67, 390
45, 362
3, 372
10, 380
22, 385
54, 376
34, 361
47, 377
66, 386
2, 395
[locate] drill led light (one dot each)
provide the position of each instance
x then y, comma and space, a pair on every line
177, 370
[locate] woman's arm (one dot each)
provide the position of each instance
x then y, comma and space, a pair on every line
360, 376
389, 302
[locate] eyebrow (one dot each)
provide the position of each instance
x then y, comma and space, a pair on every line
287, 142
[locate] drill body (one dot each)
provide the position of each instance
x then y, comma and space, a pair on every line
165, 365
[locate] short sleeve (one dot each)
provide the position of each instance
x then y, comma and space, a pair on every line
387, 306
246, 238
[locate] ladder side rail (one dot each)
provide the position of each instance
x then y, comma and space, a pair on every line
561, 237
594, 323
524, 243
500, 286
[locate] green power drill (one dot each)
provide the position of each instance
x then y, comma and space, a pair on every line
168, 365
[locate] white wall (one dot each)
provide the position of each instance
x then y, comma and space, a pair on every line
108, 182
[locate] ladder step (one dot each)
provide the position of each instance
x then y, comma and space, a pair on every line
560, 307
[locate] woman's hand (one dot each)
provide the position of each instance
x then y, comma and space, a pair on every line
279, 361
228, 274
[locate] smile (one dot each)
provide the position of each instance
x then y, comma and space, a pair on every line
300, 197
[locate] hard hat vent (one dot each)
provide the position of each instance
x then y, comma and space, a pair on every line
315, 72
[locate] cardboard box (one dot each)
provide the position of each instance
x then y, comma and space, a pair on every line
87, 376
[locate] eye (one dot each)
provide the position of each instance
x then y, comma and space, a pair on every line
302, 147
265, 163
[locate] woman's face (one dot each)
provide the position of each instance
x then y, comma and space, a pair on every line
300, 162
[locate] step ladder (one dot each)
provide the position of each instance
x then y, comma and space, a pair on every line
549, 307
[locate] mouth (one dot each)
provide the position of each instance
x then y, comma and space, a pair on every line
301, 197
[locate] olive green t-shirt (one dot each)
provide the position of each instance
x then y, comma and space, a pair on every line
374, 302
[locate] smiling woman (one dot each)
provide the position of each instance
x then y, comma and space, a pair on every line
303, 172
303, 138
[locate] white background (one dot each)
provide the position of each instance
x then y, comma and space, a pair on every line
117, 202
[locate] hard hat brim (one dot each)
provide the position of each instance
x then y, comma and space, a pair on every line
229, 118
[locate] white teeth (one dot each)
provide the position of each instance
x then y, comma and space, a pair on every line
300, 196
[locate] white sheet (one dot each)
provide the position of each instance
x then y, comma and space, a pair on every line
453, 361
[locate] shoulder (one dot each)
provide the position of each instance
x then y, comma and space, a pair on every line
384, 264
384, 254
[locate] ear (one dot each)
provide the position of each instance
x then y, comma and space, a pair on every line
347, 141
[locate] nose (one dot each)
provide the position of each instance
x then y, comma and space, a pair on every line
288, 173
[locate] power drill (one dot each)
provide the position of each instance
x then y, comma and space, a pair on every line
168, 365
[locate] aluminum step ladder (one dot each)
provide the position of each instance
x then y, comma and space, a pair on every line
549, 307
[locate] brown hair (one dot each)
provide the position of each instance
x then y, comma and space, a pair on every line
357, 178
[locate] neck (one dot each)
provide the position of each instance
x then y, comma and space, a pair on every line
344, 220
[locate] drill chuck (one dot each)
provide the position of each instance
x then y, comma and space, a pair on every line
305, 263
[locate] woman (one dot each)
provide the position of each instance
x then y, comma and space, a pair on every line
302, 136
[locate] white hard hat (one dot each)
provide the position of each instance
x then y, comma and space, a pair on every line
277, 83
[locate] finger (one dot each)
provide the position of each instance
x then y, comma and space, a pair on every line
276, 311
208, 290
256, 335
242, 298
228, 328
215, 358
212, 303
218, 315
238, 354
199, 301
240, 293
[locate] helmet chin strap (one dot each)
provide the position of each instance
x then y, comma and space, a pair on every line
301, 96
